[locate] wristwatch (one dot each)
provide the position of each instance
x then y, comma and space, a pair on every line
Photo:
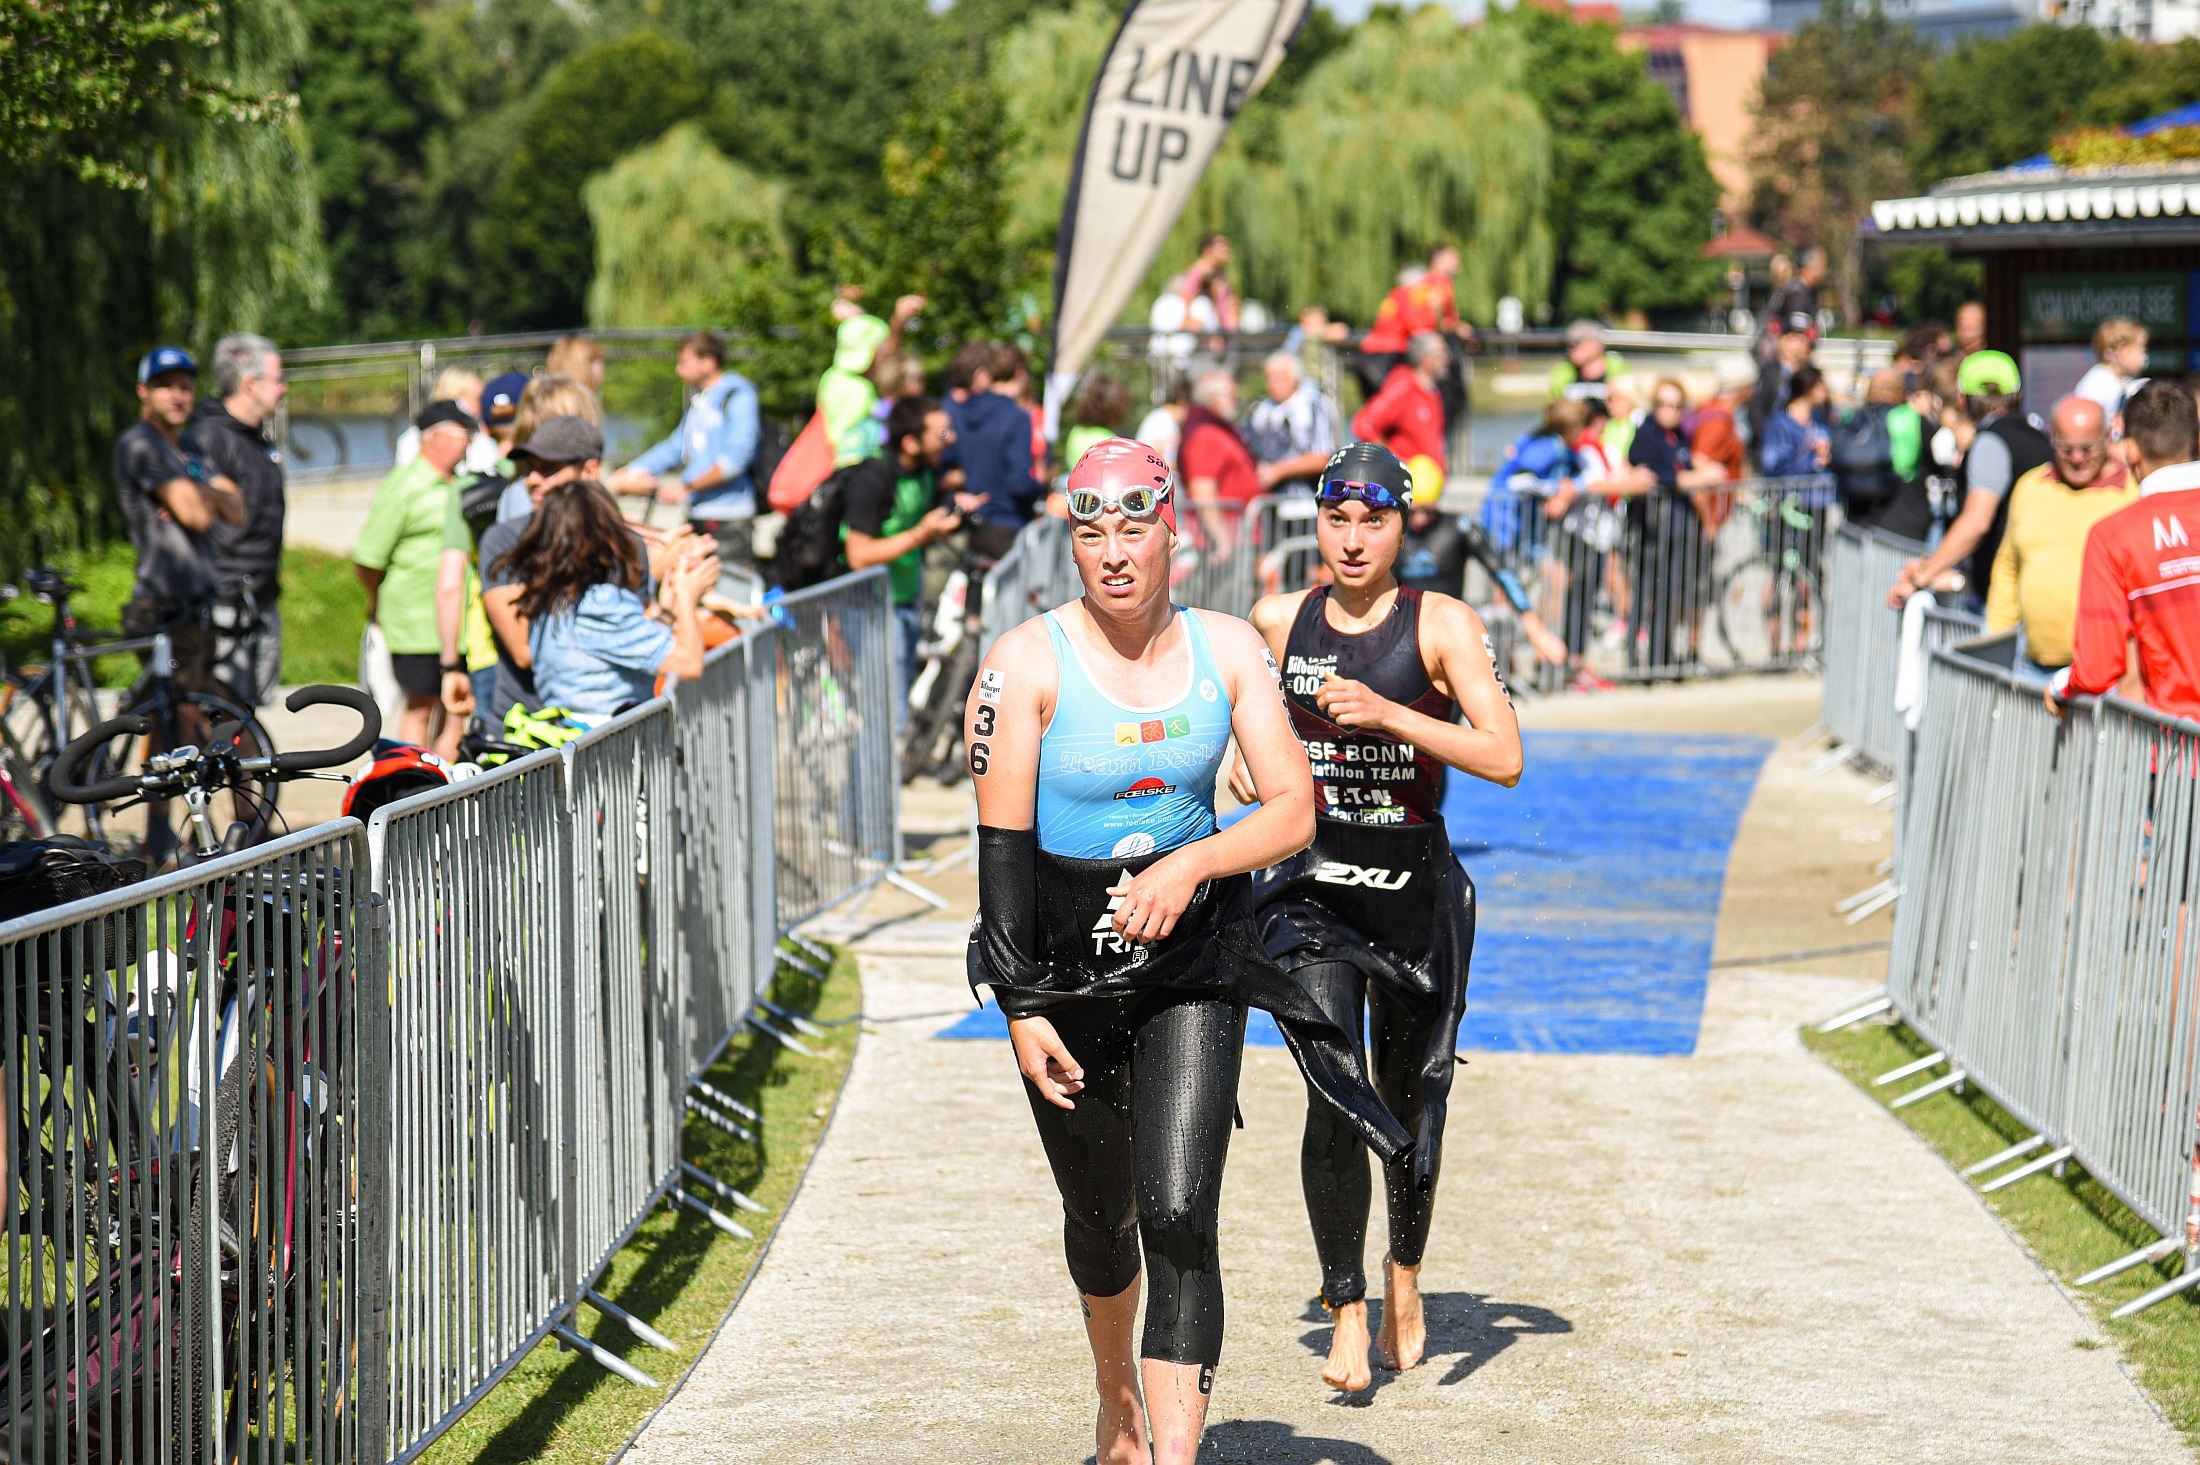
453, 666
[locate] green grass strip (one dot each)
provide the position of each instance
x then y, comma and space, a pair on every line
2071, 1224
680, 1274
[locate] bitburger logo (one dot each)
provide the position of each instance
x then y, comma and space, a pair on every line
1147, 788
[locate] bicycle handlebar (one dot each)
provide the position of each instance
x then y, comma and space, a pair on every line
61, 781
370, 727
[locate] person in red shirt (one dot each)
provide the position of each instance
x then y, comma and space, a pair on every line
1424, 302
2141, 580
1213, 461
1407, 415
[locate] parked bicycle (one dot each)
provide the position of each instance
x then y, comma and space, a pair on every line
48, 706
172, 1080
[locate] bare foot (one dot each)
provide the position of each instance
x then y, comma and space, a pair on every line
1404, 1333
1119, 1434
1347, 1368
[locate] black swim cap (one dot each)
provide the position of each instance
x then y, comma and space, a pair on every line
1369, 463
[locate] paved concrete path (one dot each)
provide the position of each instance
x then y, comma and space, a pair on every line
1730, 1256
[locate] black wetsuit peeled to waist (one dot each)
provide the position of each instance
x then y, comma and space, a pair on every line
1377, 917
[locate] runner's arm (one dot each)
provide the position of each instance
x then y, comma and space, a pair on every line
1002, 725
1487, 744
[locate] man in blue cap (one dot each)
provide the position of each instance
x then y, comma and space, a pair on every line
170, 498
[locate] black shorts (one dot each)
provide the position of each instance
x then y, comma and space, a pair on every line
190, 638
420, 675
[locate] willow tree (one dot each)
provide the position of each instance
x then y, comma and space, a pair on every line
1417, 133
677, 224
154, 187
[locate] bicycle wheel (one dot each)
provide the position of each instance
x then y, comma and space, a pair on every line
29, 748
160, 832
1751, 617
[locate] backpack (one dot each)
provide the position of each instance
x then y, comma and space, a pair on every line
477, 502
808, 552
1863, 457
772, 442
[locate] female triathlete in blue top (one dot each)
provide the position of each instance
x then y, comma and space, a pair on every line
1115, 928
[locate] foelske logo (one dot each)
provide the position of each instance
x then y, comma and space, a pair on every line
1336, 872
1147, 788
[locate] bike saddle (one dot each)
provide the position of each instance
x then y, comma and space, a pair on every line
45, 581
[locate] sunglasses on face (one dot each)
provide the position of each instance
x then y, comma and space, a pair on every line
1374, 495
1088, 504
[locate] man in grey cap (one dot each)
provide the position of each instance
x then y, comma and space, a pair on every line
560, 450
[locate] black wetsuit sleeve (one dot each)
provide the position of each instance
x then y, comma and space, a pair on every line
1008, 916
1484, 553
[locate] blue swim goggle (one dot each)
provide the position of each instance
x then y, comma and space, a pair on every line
1374, 495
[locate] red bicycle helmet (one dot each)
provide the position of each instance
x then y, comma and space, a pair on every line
399, 770
1114, 464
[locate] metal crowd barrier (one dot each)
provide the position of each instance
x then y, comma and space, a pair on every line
478, 879
187, 1106
729, 901
289, 1175
1667, 585
2044, 948
1864, 645
836, 811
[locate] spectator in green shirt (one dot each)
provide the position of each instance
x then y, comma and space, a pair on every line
1589, 369
891, 511
399, 552
846, 394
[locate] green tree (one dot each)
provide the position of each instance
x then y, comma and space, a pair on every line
195, 219
371, 101
487, 61
79, 80
944, 232
806, 90
1835, 123
596, 107
677, 225
1631, 196
1416, 133
1981, 106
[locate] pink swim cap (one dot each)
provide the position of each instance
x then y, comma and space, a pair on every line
1117, 463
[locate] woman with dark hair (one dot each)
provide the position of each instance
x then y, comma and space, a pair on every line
584, 615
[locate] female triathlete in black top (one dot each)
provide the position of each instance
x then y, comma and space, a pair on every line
1116, 928
1377, 916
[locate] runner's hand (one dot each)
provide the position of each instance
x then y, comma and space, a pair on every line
1041, 1058
1353, 704
1156, 897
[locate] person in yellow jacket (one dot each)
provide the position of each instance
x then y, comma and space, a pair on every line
2051, 510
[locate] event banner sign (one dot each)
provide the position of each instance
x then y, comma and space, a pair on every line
1178, 71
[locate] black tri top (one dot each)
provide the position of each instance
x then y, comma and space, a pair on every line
1362, 776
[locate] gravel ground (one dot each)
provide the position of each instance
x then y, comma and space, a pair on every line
1730, 1256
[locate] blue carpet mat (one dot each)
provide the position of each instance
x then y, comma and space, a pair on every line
1598, 881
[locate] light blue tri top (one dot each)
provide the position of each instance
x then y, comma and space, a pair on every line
1118, 782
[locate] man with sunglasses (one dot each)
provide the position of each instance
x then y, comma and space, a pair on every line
1375, 921
2052, 509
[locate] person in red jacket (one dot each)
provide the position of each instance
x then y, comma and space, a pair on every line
1407, 415
2141, 580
